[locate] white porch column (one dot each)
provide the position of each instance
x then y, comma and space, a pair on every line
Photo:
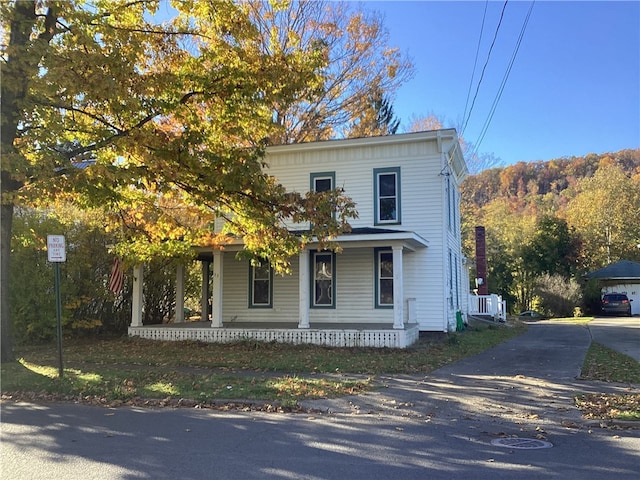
216, 311
180, 293
204, 297
138, 299
398, 289
303, 289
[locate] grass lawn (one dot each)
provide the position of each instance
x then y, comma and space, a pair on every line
132, 370
270, 376
606, 365
576, 320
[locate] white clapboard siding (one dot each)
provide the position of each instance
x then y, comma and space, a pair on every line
355, 302
423, 161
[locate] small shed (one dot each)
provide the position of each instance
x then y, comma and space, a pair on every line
621, 277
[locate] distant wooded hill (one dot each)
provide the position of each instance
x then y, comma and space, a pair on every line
561, 217
531, 179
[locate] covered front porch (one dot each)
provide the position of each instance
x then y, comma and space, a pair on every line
291, 314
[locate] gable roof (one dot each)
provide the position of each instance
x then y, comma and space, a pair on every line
624, 269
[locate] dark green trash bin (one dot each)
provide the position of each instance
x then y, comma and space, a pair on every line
459, 322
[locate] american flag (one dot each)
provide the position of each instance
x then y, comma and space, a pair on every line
117, 276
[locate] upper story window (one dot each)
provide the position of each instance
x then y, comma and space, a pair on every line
323, 182
323, 280
386, 185
260, 285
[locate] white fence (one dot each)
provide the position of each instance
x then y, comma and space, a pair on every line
488, 305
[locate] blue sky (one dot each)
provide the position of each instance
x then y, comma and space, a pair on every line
573, 89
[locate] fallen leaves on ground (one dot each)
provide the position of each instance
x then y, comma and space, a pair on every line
609, 406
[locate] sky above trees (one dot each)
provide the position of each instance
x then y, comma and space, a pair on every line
572, 89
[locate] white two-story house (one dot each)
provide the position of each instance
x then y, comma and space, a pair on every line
400, 271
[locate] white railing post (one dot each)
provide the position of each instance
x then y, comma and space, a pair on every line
216, 311
398, 289
137, 300
304, 283
180, 293
489, 305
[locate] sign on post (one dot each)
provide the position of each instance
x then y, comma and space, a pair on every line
56, 251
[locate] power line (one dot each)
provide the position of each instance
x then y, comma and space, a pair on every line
485, 65
475, 62
494, 105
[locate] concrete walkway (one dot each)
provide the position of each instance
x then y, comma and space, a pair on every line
520, 385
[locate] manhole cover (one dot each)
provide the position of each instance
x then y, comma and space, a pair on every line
521, 443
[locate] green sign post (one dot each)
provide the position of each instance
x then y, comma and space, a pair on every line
56, 253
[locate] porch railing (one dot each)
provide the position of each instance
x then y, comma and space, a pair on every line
488, 305
331, 337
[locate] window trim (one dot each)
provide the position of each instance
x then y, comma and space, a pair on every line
377, 252
312, 286
376, 196
252, 304
320, 176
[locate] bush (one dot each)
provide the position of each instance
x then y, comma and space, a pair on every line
558, 295
87, 304
591, 296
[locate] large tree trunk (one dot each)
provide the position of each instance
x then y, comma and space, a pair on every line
6, 346
17, 72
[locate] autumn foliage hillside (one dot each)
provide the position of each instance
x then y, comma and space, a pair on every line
561, 217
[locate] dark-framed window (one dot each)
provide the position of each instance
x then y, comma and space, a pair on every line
386, 192
260, 286
384, 277
323, 181
323, 279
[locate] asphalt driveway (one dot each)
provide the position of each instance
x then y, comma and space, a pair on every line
523, 383
619, 333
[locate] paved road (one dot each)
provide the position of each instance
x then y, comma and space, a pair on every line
436, 426
620, 333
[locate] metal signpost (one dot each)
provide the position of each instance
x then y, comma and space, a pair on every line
56, 254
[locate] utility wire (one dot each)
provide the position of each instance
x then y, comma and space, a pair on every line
485, 66
494, 105
475, 62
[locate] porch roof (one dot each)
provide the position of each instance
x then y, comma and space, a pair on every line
356, 238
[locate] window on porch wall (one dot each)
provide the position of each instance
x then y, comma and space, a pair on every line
323, 280
384, 278
260, 281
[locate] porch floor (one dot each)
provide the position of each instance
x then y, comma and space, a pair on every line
328, 334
